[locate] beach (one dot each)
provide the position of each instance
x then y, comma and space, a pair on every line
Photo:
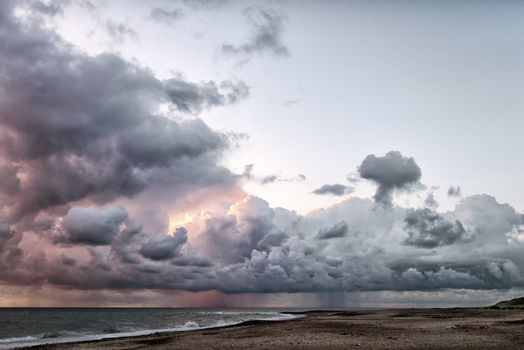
376, 329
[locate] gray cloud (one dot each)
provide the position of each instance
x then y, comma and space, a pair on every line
74, 132
390, 172
428, 229
248, 172
69, 123
168, 17
198, 4
334, 189
267, 27
165, 248
49, 9
454, 191
120, 31
68, 261
191, 260
192, 98
6, 233
430, 201
336, 231
92, 226
353, 178
269, 179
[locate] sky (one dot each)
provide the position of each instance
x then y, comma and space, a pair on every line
261, 153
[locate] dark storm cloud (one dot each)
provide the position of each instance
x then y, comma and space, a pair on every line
390, 172
336, 231
93, 227
163, 141
87, 129
334, 189
165, 248
189, 260
454, 191
72, 122
428, 229
68, 261
267, 27
166, 16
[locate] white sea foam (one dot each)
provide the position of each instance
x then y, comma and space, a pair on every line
18, 342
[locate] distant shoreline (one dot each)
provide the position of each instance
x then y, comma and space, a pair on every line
456, 328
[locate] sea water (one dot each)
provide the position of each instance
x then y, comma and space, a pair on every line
31, 326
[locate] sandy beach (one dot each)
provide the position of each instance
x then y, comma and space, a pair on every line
383, 329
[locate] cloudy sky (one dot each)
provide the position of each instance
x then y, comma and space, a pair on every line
270, 153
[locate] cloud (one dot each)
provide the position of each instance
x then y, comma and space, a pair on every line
269, 179
454, 191
97, 156
191, 260
6, 233
334, 189
428, 229
198, 4
248, 172
292, 102
390, 172
336, 231
267, 27
430, 201
68, 261
69, 156
92, 226
349, 246
168, 17
238, 235
165, 248
119, 31
73, 133
353, 178
49, 9
193, 98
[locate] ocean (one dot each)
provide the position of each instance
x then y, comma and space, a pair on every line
32, 326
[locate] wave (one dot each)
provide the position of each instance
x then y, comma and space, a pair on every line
25, 341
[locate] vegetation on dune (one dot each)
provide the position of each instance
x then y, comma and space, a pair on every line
517, 303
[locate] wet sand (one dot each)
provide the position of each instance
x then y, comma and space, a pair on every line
385, 329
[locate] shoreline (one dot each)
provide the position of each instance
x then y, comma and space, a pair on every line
36, 343
344, 329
